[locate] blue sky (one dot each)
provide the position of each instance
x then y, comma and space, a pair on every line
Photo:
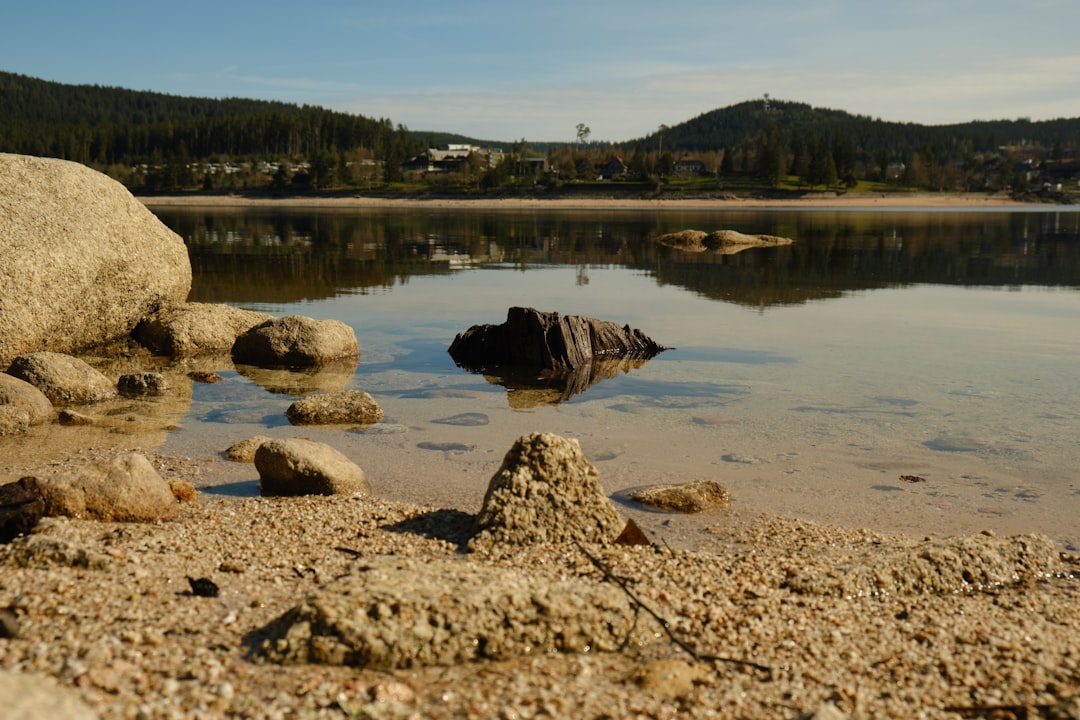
508, 70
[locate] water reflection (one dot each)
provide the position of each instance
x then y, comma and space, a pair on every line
294, 256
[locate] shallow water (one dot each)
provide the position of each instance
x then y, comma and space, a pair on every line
809, 379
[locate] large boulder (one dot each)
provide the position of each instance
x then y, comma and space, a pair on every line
73, 239
296, 466
25, 396
295, 341
390, 613
125, 488
64, 379
196, 329
548, 341
545, 491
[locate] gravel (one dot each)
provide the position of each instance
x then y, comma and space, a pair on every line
107, 611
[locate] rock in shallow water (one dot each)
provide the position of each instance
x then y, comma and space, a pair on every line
692, 497
296, 466
64, 379
295, 341
348, 407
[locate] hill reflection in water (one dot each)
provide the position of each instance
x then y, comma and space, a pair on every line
290, 256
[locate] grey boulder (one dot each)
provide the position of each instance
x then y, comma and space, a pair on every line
83, 260
295, 466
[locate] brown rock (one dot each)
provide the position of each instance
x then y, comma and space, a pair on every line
303, 467
295, 341
13, 419
64, 379
126, 488
28, 696
545, 491
22, 394
70, 237
196, 329
348, 407
243, 451
143, 383
21, 506
691, 497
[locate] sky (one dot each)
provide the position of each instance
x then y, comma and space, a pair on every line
506, 70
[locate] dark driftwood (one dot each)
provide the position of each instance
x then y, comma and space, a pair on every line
549, 341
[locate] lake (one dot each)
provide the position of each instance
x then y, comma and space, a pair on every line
903, 370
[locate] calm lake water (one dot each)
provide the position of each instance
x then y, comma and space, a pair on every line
808, 379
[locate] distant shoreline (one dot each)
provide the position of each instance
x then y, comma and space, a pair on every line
822, 201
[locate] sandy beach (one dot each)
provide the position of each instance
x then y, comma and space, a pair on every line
815, 201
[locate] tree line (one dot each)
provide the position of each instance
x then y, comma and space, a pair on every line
155, 142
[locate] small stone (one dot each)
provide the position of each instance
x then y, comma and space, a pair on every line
244, 450
692, 497
670, 677
347, 407
203, 587
71, 418
303, 467
144, 383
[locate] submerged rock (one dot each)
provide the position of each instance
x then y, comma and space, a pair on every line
545, 491
348, 407
391, 612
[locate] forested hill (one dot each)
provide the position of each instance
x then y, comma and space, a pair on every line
730, 127
103, 125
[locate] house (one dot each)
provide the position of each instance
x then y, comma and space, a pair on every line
438, 161
612, 168
690, 167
